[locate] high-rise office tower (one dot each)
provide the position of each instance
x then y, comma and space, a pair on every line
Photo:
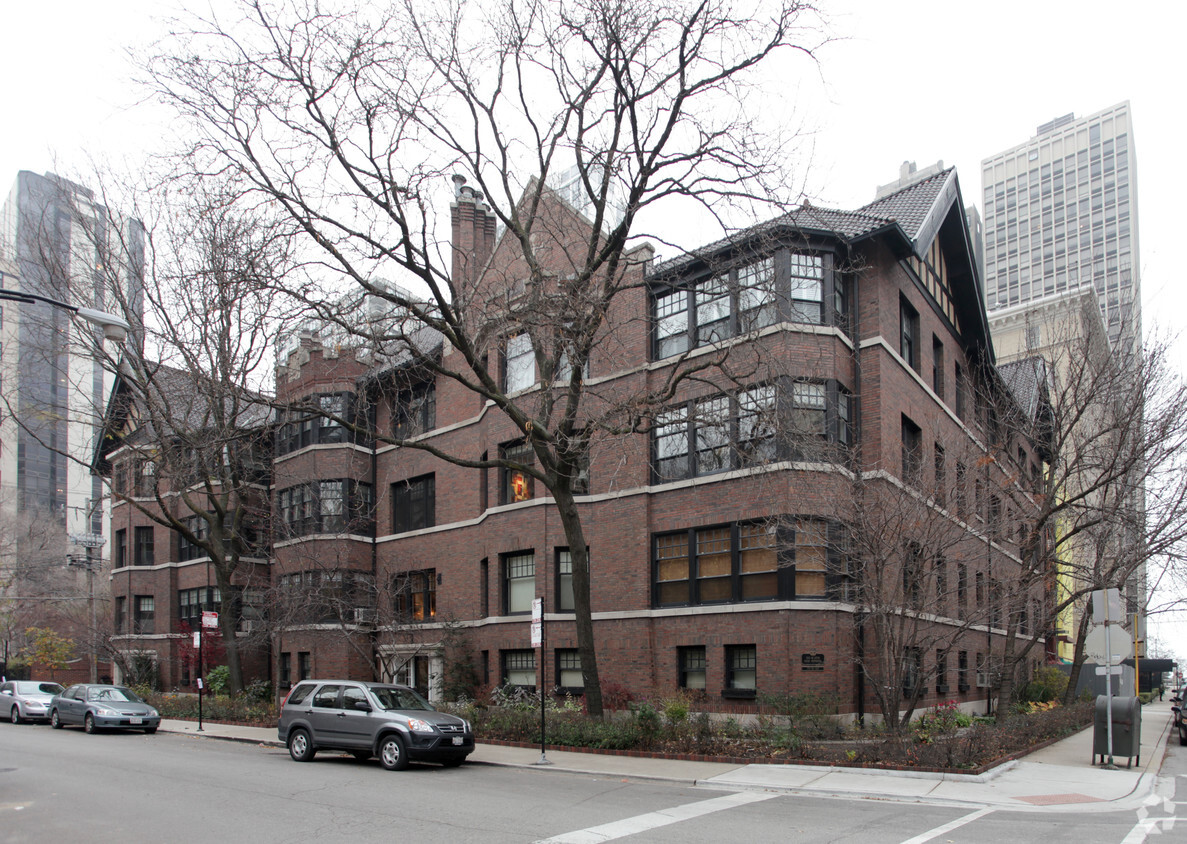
1061, 212
56, 241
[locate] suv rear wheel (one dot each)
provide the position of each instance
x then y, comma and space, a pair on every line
392, 754
300, 746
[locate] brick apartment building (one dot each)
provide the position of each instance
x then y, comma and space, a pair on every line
857, 350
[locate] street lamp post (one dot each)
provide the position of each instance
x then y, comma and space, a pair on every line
115, 328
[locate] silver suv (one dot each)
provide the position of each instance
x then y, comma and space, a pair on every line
371, 719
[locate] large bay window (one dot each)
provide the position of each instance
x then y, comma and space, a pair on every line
789, 285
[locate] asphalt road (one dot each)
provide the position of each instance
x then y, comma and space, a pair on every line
128, 787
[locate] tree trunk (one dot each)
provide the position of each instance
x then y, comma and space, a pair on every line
579, 557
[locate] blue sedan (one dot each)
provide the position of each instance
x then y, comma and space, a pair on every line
102, 706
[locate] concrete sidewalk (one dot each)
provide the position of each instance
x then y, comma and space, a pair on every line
1060, 777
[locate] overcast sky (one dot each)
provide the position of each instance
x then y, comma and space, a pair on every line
921, 80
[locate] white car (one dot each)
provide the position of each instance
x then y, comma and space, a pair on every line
27, 700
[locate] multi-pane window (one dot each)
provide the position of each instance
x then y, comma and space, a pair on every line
712, 433
721, 433
564, 580
414, 595
671, 323
962, 585
912, 670
941, 672
712, 300
912, 451
329, 423
750, 296
692, 665
519, 363
121, 548
414, 504
811, 558
756, 424
909, 334
519, 668
191, 603
515, 484
519, 582
304, 665
326, 595
741, 670
940, 472
188, 549
285, 673
568, 670
143, 549
756, 295
121, 614
807, 288
962, 671
144, 614
937, 366
716, 565
415, 412
809, 418
328, 506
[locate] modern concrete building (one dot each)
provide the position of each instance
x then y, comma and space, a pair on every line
1061, 211
56, 241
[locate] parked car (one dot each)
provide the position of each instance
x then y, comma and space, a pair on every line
371, 719
1179, 723
101, 706
27, 700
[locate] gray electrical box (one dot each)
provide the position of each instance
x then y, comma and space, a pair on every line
1127, 729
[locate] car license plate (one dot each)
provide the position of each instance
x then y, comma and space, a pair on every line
135, 720
457, 739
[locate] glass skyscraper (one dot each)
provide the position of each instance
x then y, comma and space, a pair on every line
1060, 212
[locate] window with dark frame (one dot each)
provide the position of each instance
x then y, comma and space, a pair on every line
721, 433
962, 671
326, 506
912, 437
199, 527
414, 504
941, 492
724, 564
519, 363
519, 668
941, 672
693, 667
741, 671
568, 671
748, 297
121, 548
414, 411
912, 670
519, 582
121, 614
937, 366
304, 665
962, 585
909, 333
564, 580
144, 617
414, 595
286, 670
516, 484
143, 551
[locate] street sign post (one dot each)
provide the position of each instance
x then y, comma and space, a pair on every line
1106, 606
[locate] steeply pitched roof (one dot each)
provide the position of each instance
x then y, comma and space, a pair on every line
915, 213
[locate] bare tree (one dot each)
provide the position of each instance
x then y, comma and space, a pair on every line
352, 121
1109, 502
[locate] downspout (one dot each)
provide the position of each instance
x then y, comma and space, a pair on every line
857, 463
373, 633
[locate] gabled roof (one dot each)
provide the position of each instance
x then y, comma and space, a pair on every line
188, 408
910, 219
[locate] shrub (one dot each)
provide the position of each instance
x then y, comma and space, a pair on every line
1047, 684
218, 679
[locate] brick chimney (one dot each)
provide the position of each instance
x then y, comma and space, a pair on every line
473, 232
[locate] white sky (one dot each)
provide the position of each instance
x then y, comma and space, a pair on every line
921, 80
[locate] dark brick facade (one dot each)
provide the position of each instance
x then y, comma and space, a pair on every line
438, 594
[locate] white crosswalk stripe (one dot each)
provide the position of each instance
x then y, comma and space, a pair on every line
651, 820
